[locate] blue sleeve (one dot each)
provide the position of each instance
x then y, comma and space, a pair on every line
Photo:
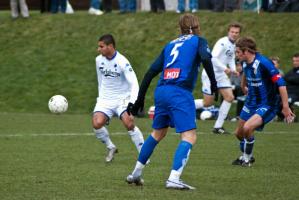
274, 74
203, 49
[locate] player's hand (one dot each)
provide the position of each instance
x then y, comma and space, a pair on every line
245, 90
130, 108
288, 114
136, 107
227, 71
236, 73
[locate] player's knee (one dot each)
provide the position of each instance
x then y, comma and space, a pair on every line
158, 135
247, 129
229, 98
130, 126
97, 124
239, 134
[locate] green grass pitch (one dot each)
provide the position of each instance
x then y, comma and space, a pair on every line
46, 156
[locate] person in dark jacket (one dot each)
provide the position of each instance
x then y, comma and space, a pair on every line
292, 80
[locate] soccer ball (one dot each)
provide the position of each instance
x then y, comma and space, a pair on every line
58, 104
204, 115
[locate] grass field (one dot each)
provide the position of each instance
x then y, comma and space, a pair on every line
55, 54
46, 156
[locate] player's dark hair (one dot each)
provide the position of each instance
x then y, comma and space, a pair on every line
296, 55
235, 25
107, 39
246, 43
189, 24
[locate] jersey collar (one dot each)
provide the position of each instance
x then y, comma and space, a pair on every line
112, 56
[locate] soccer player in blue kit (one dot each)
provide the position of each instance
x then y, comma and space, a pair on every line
265, 89
178, 63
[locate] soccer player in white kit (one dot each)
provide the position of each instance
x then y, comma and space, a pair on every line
117, 86
223, 59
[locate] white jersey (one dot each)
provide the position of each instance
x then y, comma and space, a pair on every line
116, 79
223, 56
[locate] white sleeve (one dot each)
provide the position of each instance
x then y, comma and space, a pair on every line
99, 75
216, 53
132, 80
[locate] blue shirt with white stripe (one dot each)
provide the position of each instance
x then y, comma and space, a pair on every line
263, 80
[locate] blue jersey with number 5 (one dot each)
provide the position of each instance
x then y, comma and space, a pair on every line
180, 60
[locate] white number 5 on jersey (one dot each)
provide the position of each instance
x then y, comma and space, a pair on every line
174, 53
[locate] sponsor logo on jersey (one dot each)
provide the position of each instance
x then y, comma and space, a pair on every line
171, 73
256, 84
109, 73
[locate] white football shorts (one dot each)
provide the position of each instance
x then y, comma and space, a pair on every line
222, 79
111, 107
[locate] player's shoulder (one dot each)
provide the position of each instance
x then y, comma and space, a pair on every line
200, 38
264, 60
122, 61
120, 58
99, 58
223, 41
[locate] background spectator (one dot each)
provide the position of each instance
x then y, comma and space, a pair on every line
45, 6
292, 80
127, 6
58, 5
15, 5
157, 5
276, 62
227, 5
193, 6
107, 6
95, 7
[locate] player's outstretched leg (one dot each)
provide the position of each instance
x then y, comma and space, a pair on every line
146, 151
179, 162
103, 135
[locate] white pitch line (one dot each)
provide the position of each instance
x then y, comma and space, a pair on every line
117, 133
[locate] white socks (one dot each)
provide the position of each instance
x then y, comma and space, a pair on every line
103, 135
174, 175
198, 103
137, 138
223, 111
138, 169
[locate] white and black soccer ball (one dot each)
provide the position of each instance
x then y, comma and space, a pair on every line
58, 104
204, 115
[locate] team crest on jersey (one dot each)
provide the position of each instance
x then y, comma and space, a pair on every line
229, 53
171, 73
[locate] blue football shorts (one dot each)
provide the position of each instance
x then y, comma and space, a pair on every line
266, 112
174, 107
